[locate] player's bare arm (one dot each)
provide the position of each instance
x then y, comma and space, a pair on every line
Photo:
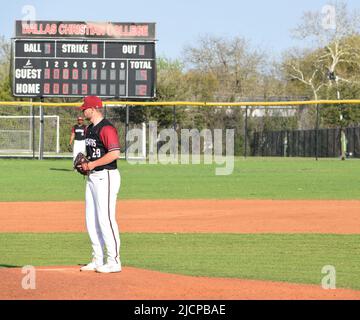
106, 159
72, 137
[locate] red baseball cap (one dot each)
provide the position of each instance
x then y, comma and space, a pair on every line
80, 118
91, 102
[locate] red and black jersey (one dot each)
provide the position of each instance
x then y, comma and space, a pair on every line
101, 139
79, 131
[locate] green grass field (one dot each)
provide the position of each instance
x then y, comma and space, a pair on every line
292, 258
281, 257
53, 180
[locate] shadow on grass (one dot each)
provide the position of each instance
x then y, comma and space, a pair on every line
7, 266
63, 170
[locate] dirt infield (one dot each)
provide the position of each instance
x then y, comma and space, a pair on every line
191, 216
136, 284
196, 216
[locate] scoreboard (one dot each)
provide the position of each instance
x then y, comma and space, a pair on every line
112, 63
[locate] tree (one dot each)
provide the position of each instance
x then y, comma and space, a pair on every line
5, 89
200, 86
170, 84
170, 87
322, 69
305, 67
329, 31
233, 63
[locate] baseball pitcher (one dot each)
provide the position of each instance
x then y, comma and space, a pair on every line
102, 187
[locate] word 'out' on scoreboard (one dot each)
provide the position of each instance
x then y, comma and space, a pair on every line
75, 59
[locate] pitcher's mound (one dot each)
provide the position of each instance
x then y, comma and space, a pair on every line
135, 284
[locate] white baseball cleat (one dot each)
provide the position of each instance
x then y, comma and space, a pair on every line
109, 268
90, 267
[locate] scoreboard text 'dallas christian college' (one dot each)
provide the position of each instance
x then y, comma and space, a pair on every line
75, 59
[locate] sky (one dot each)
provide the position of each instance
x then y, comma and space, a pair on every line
266, 24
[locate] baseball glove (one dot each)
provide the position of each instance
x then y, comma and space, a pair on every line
70, 148
81, 164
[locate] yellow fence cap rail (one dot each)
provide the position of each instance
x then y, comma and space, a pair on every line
187, 103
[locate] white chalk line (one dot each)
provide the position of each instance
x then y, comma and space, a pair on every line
58, 269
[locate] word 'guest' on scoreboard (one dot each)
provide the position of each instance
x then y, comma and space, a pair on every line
75, 59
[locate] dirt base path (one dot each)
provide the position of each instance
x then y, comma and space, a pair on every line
136, 284
191, 216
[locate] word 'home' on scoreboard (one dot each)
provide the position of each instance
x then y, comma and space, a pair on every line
75, 59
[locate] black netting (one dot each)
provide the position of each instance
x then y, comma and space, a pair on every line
325, 143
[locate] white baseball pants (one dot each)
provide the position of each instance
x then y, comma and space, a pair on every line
79, 146
102, 188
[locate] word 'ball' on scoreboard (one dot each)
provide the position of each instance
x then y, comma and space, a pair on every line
117, 61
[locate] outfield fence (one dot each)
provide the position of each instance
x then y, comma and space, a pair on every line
326, 143
271, 128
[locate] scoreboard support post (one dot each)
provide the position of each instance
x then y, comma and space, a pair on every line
126, 131
33, 130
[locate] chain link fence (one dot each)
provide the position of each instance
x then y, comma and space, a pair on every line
260, 131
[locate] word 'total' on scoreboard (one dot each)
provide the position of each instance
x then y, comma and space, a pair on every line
75, 59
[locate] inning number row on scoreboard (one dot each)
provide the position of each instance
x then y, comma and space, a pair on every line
77, 68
